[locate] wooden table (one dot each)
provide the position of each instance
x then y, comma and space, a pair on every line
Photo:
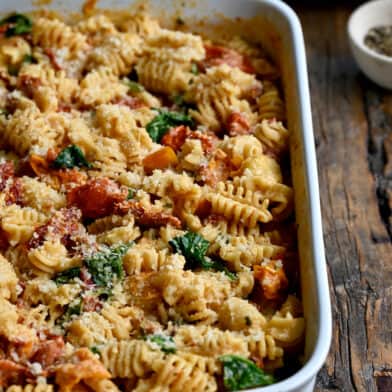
353, 129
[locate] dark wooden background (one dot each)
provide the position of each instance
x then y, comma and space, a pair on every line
353, 130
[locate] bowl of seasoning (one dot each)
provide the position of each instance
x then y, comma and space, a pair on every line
370, 34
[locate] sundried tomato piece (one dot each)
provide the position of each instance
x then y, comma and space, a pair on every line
97, 197
11, 185
203, 209
175, 137
4, 28
145, 217
215, 219
3, 240
63, 224
272, 278
217, 55
14, 193
11, 372
84, 365
237, 124
49, 351
72, 176
64, 107
91, 304
7, 172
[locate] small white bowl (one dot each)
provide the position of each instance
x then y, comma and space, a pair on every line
376, 66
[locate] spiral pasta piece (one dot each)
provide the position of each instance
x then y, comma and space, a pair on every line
118, 52
273, 135
238, 212
52, 33
31, 388
271, 106
140, 259
176, 374
162, 76
210, 341
51, 257
8, 279
129, 359
19, 223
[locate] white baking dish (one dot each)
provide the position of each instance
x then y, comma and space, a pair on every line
278, 28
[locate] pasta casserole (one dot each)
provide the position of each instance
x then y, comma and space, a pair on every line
147, 237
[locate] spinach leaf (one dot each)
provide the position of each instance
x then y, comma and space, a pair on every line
70, 157
131, 194
16, 24
134, 87
67, 275
165, 343
240, 373
105, 267
194, 247
160, 124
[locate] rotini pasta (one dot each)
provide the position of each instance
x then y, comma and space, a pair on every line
145, 210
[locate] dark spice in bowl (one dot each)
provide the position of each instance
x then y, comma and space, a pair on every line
380, 39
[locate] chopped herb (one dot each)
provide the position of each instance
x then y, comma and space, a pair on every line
190, 81
194, 69
74, 308
240, 373
29, 59
4, 112
131, 194
13, 70
180, 21
106, 267
134, 87
66, 276
194, 247
182, 104
70, 157
165, 343
248, 321
104, 293
133, 75
95, 350
16, 24
161, 123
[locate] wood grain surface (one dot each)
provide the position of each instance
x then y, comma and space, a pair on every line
353, 130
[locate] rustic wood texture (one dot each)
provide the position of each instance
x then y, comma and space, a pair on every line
353, 131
